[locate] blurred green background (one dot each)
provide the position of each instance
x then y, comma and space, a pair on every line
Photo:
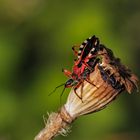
36, 37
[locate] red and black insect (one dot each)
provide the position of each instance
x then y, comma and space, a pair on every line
83, 65
89, 55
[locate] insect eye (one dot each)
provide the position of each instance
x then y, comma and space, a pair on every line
69, 82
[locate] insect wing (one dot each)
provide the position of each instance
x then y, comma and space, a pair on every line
90, 46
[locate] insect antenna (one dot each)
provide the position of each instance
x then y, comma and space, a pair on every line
62, 94
56, 89
62, 91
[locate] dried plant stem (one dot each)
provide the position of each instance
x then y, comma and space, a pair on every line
57, 123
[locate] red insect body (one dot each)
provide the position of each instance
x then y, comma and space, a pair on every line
81, 69
84, 54
89, 55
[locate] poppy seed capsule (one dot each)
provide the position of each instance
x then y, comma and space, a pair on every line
94, 98
109, 80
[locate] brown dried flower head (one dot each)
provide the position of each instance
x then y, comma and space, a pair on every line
109, 78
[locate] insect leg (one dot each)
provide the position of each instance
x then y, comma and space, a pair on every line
67, 72
75, 88
91, 63
56, 88
82, 86
87, 79
90, 68
74, 50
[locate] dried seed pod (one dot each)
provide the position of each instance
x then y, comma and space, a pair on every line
93, 98
110, 78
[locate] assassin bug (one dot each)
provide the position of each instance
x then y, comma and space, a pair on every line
82, 65
90, 54
105, 59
